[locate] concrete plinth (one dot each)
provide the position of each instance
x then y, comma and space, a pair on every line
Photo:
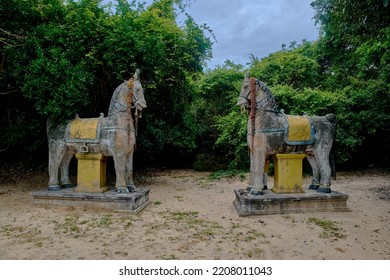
271, 203
288, 173
91, 173
130, 202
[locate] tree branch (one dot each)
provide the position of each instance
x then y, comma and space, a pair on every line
6, 43
8, 92
11, 34
3, 150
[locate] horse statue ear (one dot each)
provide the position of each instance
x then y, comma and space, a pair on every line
247, 75
136, 74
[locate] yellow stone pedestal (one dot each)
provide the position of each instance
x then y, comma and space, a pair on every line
288, 173
91, 173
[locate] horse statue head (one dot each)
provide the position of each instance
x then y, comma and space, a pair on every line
244, 97
256, 96
128, 93
138, 92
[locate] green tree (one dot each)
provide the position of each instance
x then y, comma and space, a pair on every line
215, 114
354, 54
59, 77
21, 128
354, 37
287, 67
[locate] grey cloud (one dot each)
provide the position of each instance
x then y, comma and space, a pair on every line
257, 27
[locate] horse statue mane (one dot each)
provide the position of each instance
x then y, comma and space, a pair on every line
269, 95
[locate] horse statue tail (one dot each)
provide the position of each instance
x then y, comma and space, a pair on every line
332, 156
331, 118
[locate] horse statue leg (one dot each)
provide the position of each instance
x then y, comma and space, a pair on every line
257, 163
321, 154
326, 172
265, 175
326, 131
120, 165
315, 181
64, 167
129, 172
56, 154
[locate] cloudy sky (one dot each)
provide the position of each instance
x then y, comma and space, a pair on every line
258, 27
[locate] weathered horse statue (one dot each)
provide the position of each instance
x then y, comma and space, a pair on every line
270, 132
113, 135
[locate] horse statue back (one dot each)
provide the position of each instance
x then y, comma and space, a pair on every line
113, 135
271, 131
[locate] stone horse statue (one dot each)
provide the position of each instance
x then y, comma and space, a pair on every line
113, 135
268, 132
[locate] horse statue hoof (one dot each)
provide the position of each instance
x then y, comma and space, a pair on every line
54, 188
313, 187
131, 188
251, 191
255, 192
67, 186
324, 190
122, 190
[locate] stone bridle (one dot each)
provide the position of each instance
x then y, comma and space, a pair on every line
266, 104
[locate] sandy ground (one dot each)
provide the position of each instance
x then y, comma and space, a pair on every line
192, 217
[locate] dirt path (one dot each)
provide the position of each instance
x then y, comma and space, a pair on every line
192, 217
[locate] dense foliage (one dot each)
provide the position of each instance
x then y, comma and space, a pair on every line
58, 58
354, 50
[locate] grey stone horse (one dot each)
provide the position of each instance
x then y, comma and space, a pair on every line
267, 129
114, 136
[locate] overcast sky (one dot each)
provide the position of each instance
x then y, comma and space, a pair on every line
258, 27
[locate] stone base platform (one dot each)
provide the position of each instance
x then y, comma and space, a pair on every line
273, 203
130, 202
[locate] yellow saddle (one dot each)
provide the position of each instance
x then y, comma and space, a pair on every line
84, 130
299, 131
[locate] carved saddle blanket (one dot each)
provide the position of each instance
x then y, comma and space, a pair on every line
84, 130
299, 131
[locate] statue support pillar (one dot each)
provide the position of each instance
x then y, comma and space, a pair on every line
91, 173
288, 173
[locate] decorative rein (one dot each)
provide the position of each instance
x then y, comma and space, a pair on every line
253, 104
130, 85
